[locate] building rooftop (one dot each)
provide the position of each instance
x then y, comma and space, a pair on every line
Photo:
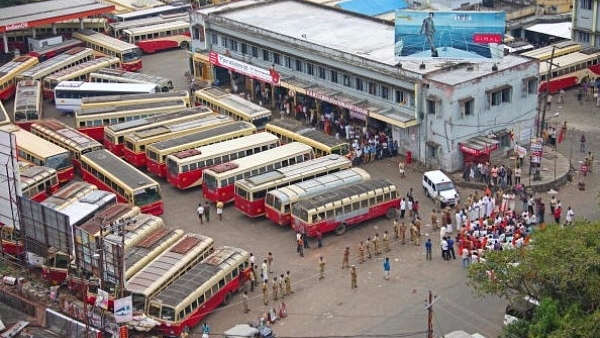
321, 27
44, 12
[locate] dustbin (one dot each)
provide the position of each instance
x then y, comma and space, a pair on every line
408, 157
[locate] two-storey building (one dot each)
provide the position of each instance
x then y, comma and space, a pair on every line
342, 66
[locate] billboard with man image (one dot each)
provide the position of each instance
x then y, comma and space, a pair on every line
449, 35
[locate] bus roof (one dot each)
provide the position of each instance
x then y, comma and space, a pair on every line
147, 244
106, 216
234, 101
67, 193
218, 148
27, 95
115, 87
16, 62
566, 61
91, 35
295, 169
176, 126
157, 118
79, 67
308, 132
171, 260
157, 27
122, 170
201, 135
258, 158
120, 73
128, 107
135, 228
182, 94
221, 259
96, 200
340, 193
33, 143
149, 11
71, 135
72, 54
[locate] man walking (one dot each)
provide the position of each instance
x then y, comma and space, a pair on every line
346, 261
428, 248
219, 206
207, 211
353, 278
386, 268
245, 302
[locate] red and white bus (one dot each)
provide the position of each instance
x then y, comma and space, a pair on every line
568, 71
279, 202
129, 55
162, 36
153, 12
109, 172
38, 182
51, 51
116, 28
9, 72
69, 95
28, 103
199, 291
218, 181
66, 137
136, 142
77, 73
91, 121
165, 269
108, 75
184, 168
114, 135
70, 58
36, 150
147, 249
156, 153
338, 209
250, 193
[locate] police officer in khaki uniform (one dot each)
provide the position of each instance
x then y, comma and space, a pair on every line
353, 277
265, 290
376, 244
368, 246
346, 261
403, 232
361, 252
386, 241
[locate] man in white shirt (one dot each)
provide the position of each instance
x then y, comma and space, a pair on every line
200, 212
444, 246
569, 217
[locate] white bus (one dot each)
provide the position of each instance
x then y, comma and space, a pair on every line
68, 94
108, 75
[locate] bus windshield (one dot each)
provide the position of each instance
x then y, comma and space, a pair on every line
147, 196
131, 55
59, 161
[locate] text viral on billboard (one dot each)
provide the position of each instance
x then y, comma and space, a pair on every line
449, 35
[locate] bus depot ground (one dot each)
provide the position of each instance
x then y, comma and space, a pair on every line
378, 307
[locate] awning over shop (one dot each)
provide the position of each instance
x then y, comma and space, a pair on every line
337, 98
295, 84
478, 146
396, 118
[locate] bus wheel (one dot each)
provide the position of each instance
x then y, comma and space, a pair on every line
340, 229
391, 213
227, 299
184, 45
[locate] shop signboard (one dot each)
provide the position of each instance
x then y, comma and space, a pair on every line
269, 76
537, 149
455, 35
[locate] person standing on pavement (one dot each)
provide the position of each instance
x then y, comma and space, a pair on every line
582, 144
451, 252
275, 288
386, 268
353, 278
264, 270
569, 216
402, 230
369, 249
282, 286
428, 248
401, 169
556, 214
402, 207
270, 261
346, 260
252, 277
386, 241
361, 252
321, 268
207, 211
376, 244
219, 206
245, 302
200, 213
444, 246
319, 237
288, 283
265, 291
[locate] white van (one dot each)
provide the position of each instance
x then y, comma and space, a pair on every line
440, 188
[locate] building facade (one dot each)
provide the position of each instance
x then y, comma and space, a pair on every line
586, 28
341, 62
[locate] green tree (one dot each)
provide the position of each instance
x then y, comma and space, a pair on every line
561, 268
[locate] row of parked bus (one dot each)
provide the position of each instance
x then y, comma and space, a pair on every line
159, 263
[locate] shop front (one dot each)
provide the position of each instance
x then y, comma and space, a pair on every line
478, 149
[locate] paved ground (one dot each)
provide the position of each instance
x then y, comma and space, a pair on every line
377, 307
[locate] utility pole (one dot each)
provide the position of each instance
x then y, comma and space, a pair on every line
429, 307
545, 97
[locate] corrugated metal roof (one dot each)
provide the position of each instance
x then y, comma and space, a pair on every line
46, 10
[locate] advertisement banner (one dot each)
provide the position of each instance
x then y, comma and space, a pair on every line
269, 76
102, 299
537, 149
123, 310
455, 35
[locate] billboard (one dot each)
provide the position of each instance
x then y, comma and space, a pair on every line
452, 35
